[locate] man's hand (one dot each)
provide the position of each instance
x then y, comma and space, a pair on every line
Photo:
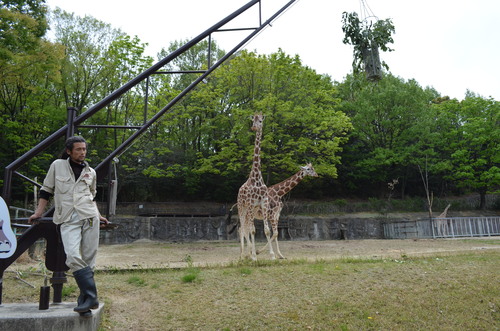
103, 221
34, 217
42, 203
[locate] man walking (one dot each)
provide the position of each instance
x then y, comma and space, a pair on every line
72, 183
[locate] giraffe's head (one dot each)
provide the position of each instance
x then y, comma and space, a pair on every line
308, 170
258, 119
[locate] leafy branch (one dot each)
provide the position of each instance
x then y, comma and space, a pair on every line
364, 35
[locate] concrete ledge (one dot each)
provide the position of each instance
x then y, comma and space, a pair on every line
59, 316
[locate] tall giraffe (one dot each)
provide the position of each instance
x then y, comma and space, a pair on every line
275, 194
252, 196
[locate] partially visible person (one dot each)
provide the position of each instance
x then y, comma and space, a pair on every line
72, 183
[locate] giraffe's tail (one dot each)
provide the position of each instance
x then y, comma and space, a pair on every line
230, 214
229, 219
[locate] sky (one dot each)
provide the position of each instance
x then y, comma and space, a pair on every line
452, 46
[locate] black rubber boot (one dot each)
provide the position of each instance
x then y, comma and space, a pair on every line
79, 301
88, 291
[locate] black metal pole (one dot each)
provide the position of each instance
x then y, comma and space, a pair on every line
57, 281
146, 100
70, 130
108, 200
58, 276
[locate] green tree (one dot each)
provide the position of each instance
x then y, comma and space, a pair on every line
29, 72
367, 37
22, 25
390, 120
100, 59
206, 143
169, 165
193, 59
86, 71
125, 60
302, 121
475, 145
433, 151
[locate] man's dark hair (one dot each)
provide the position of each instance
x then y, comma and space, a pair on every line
70, 142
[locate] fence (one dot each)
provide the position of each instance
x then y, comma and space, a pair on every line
450, 227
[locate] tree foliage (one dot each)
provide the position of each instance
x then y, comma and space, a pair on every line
474, 144
364, 35
22, 24
390, 121
98, 60
29, 72
207, 141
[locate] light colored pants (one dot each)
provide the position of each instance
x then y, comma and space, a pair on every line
80, 239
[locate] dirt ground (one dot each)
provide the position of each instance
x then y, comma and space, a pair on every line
148, 254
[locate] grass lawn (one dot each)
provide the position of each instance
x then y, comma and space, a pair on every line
441, 292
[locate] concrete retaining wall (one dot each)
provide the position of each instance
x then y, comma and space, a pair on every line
214, 228
165, 229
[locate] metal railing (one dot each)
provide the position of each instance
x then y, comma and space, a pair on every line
450, 227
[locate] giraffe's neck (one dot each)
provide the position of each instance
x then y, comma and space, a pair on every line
443, 214
287, 185
255, 172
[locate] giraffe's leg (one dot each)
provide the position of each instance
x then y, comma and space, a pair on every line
269, 241
244, 231
268, 236
275, 238
252, 244
266, 214
242, 240
247, 232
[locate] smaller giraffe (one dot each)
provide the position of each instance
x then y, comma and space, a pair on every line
275, 194
442, 222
